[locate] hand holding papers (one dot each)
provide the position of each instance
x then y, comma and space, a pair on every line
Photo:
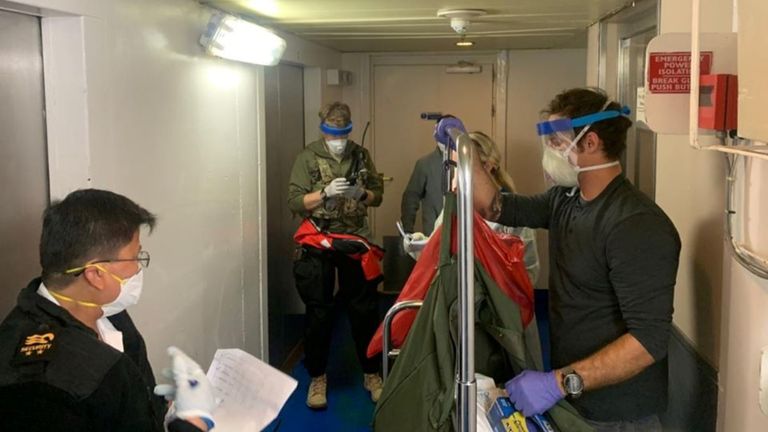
251, 391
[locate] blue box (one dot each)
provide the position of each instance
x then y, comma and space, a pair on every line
503, 417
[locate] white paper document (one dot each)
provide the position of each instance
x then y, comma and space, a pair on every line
251, 391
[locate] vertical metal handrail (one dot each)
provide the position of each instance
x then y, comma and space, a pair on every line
387, 343
466, 401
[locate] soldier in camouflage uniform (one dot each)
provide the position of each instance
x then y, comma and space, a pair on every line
333, 182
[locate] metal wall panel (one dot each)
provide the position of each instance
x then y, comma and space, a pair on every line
284, 92
23, 160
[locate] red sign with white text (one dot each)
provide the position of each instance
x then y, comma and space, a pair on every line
670, 72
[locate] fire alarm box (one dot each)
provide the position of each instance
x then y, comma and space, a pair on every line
718, 101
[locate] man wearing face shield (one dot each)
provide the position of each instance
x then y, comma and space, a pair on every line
333, 183
71, 358
613, 263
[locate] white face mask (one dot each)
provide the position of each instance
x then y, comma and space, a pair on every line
562, 168
337, 146
130, 291
441, 146
558, 169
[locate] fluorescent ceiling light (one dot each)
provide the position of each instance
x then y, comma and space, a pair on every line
464, 43
232, 38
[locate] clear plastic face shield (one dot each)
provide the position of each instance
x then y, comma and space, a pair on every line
559, 142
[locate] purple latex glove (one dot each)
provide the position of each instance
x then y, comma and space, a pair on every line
533, 392
441, 134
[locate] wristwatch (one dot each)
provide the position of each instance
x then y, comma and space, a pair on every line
323, 195
572, 383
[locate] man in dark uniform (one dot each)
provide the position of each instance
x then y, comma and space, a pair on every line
71, 358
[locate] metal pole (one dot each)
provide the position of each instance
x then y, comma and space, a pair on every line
466, 402
387, 343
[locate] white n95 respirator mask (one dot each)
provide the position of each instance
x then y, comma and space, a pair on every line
336, 147
130, 292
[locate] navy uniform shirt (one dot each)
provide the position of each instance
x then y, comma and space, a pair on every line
56, 375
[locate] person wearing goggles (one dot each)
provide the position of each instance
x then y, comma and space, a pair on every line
613, 262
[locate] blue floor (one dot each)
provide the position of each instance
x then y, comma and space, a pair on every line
349, 405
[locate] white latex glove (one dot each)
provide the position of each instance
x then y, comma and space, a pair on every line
337, 187
414, 243
191, 391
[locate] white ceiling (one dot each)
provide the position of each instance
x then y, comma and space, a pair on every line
413, 25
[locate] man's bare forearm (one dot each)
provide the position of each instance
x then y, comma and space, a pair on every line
617, 362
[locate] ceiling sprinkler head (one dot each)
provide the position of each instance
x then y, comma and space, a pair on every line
460, 18
459, 25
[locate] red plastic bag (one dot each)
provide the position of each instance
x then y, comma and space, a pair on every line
501, 255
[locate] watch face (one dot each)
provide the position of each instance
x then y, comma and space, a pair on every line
573, 384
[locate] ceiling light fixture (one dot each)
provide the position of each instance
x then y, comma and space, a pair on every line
464, 43
232, 38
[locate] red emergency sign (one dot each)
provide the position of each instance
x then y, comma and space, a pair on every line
670, 72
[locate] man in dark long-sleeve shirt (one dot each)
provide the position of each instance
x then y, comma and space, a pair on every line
613, 263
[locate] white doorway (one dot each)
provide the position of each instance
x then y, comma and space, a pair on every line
401, 92
23, 153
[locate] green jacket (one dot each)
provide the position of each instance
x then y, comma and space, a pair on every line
418, 394
314, 168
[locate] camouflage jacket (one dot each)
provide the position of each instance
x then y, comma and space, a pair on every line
314, 168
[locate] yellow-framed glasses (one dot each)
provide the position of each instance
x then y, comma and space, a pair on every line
142, 258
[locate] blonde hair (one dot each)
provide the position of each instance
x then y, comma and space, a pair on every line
490, 154
336, 114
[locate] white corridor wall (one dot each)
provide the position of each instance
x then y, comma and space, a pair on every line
134, 106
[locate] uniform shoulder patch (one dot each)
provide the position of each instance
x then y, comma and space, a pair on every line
36, 346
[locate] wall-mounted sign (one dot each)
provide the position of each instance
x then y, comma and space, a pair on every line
670, 72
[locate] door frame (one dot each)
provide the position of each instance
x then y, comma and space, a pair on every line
498, 60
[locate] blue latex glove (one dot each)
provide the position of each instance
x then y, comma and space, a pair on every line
441, 134
534, 392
